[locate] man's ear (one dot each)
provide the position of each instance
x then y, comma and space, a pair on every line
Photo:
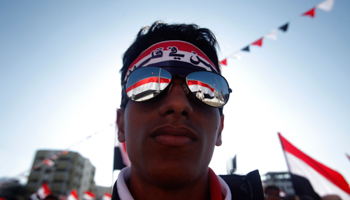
218, 138
120, 125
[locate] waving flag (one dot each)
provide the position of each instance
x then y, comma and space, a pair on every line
43, 191
107, 196
88, 196
324, 180
73, 195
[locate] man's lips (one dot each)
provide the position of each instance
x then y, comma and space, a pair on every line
174, 136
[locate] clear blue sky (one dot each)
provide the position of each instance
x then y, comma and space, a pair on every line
59, 79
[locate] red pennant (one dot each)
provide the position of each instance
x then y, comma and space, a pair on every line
258, 42
223, 62
310, 13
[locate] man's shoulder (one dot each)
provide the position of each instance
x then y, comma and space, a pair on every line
245, 187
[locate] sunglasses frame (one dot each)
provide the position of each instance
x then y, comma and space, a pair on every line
126, 97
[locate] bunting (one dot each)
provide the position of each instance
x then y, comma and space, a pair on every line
310, 13
50, 161
326, 5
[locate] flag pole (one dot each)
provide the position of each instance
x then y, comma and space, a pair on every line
285, 158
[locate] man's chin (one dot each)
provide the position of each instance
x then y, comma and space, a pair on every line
175, 176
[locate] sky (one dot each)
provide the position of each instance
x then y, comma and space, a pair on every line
60, 81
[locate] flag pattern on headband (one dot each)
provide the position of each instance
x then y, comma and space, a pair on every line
73, 195
88, 195
326, 5
121, 158
172, 53
106, 196
323, 179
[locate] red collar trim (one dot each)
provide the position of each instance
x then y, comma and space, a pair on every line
214, 186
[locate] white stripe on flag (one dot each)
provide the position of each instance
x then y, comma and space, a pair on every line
320, 184
147, 87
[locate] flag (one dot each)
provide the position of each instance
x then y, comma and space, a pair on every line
88, 195
258, 42
327, 5
310, 13
73, 195
107, 196
235, 56
49, 162
324, 180
121, 158
246, 48
272, 34
223, 62
284, 28
43, 191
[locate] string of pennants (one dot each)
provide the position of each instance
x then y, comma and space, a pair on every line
326, 5
50, 161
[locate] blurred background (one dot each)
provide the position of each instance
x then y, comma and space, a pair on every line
60, 81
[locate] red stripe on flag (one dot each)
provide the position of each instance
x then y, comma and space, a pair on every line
194, 82
333, 176
147, 80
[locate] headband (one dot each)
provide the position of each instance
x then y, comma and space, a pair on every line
172, 53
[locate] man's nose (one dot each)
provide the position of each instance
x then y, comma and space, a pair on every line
176, 100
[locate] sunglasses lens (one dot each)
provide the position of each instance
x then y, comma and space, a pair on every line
147, 82
210, 88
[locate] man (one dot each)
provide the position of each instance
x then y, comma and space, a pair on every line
200, 95
169, 133
272, 192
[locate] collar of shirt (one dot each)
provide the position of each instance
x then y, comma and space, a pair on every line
216, 183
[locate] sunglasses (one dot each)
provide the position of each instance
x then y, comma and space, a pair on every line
148, 82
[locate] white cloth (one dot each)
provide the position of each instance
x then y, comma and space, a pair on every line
124, 193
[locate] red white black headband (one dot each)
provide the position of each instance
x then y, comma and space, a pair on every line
172, 53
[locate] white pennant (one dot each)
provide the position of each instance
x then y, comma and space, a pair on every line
327, 5
272, 34
235, 56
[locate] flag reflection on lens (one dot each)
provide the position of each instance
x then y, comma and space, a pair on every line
147, 82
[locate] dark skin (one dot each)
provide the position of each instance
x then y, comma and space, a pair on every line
170, 141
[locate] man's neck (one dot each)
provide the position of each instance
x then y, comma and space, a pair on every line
145, 190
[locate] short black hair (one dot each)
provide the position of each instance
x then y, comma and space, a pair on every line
272, 187
203, 38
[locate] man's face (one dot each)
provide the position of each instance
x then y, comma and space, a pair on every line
170, 139
272, 194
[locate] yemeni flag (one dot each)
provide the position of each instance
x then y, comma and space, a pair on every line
73, 195
42, 192
88, 196
307, 172
107, 196
147, 87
